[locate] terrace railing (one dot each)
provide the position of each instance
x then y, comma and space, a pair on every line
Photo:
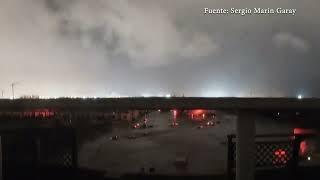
276, 151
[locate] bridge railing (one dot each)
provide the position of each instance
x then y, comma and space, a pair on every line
272, 151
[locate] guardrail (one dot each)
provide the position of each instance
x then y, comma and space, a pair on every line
272, 151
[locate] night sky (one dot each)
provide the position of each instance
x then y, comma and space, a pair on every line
152, 48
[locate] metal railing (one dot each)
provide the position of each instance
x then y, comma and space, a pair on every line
272, 151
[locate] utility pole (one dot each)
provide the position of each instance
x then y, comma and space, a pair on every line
12, 88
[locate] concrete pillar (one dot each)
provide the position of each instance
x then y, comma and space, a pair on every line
245, 146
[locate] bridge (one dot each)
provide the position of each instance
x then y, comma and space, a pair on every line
154, 103
246, 109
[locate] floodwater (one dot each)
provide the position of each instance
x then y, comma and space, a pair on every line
205, 149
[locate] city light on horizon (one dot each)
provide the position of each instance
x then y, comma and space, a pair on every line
213, 94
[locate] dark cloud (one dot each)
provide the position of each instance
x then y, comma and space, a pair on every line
103, 47
283, 40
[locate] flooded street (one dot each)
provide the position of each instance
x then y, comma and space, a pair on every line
160, 147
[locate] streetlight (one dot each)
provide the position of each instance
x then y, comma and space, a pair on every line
12, 88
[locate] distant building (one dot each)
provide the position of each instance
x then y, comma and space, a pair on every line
39, 113
29, 97
201, 114
130, 115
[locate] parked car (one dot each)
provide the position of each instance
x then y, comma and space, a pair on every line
174, 124
210, 123
114, 138
145, 134
132, 136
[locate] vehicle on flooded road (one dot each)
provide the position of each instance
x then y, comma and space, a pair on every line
114, 138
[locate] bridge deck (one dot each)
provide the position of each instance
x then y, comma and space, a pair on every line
101, 104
